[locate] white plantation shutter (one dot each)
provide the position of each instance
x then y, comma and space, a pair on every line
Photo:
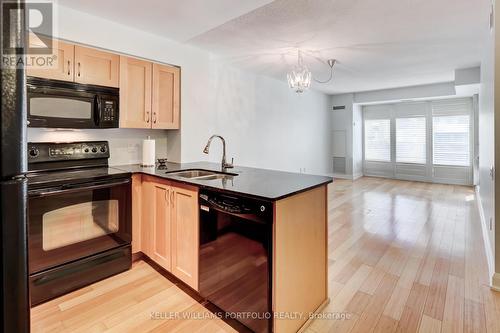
411, 140
378, 140
427, 141
451, 140
451, 132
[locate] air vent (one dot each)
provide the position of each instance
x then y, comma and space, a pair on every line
339, 165
339, 107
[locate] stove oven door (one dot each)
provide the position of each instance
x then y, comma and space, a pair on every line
76, 221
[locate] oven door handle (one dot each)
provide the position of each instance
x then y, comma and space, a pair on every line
79, 187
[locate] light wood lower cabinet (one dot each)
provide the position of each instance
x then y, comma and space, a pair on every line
300, 274
136, 212
159, 223
169, 227
185, 236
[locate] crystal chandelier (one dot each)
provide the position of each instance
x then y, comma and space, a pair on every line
299, 78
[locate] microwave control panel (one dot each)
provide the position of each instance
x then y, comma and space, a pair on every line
109, 110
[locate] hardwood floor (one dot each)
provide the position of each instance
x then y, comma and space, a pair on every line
407, 257
126, 303
404, 257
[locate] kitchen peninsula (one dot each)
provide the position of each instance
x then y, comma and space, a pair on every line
169, 221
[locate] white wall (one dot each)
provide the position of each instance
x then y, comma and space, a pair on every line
265, 123
414, 92
342, 126
357, 141
487, 134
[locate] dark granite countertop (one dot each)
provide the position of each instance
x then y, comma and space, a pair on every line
253, 182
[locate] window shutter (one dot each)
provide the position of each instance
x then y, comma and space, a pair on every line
411, 140
378, 140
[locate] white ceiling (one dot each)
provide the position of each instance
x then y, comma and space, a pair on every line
378, 43
179, 20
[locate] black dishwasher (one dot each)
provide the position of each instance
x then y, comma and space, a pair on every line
235, 257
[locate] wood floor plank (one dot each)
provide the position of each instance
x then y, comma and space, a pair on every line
453, 317
435, 302
474, 318
429, 325
491, 301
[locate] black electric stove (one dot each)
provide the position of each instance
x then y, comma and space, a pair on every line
79, 224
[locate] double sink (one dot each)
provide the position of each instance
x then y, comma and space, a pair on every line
199, 174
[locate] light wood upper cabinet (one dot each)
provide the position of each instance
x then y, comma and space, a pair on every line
135, 93
166, 97
62, 68
185, 236
96, 67
149, 92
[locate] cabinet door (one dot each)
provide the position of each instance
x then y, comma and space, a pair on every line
185, 235
63, 66
166, 97
96, 67
156, 222
135, 93
161, 243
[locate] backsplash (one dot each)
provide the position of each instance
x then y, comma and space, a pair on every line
125, 144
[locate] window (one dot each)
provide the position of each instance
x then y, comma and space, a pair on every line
378, 140
451, 140
410, 140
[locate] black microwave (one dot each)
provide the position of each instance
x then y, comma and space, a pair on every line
60, 104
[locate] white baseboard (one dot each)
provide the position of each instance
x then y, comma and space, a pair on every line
494, 277
495, 282
357, 176
342, 176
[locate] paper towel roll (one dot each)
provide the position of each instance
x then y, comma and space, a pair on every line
148, 153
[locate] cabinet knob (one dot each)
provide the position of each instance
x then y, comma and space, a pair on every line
154, 117
79, 67
69, 67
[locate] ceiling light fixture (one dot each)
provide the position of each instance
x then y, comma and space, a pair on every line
299, 79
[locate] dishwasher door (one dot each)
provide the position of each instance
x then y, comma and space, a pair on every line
235, 258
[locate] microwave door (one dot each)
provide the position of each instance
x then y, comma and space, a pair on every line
54, 108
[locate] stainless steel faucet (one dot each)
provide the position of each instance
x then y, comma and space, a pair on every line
225, 165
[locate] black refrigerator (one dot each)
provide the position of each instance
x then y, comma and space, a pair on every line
13, 194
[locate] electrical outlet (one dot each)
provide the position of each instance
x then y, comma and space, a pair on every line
132, 148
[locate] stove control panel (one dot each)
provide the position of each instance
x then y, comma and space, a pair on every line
75, 151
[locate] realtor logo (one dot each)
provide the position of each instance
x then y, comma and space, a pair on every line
34, 46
